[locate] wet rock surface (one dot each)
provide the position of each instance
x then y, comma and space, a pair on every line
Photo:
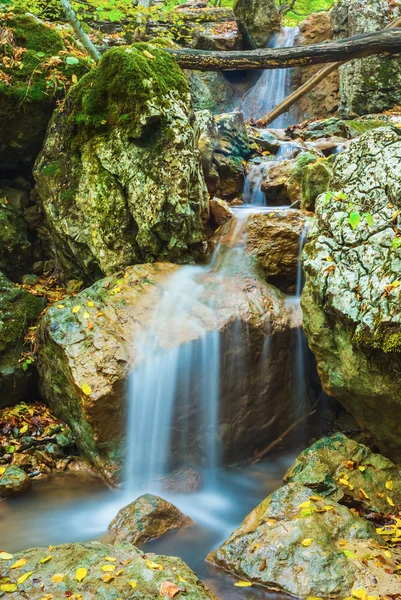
350, 300
13, 481
97, 571
146, 518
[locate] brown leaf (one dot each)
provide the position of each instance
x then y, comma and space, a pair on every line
169, 590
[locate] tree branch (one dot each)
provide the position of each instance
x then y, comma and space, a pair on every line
79, 32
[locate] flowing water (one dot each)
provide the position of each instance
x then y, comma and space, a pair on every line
273, 86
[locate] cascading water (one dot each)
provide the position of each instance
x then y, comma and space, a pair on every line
273, 85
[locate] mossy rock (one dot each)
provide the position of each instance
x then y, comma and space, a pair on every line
315, 181
119, 178
37, 64
15, 248
13, 481
258, 20
19, 309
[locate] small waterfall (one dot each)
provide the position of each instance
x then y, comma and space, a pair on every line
273, 86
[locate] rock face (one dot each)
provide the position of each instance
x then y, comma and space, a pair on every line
348, 472
19, 309
147, 518
352, 264
26, 100
324, 99
149, 575
15, 248
13, 481
85, 355
258, 19
307, 546
110, 196
373, 84
209, 29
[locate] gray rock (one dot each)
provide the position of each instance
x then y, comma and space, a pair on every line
258, 19
13, 481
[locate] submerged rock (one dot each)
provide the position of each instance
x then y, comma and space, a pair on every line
86, 353
119, 178
308, 546
76, 570
258, 19
19, 309
146, 518
13, 480
348, 472
351, 298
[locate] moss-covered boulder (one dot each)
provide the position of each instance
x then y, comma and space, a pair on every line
351, 298
15, 247
373, 84
119, 178
258, 19
19, 309
146, 518
13, 480
305, 545
315, 181
37, 64
75, 570
340, 468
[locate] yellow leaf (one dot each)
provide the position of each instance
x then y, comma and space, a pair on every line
60, 305
243, 584
307, 542
361, 594
108, 567
132, 583
74, 78
8, 587
87, 390
149, 55
389, 501
76, 309
86, 315
314, 598
6, 556
91, 303
80, 574
305, 504
316, 498
387, 553
107, 577
362, 468
20, 563
45, 559
182, 579
120, 572
2, 470
110, 558
344, 481
58, 577
363, 494
24, 429
389, 485
154, 566
24, 577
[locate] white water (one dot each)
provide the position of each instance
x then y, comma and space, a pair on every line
273, 86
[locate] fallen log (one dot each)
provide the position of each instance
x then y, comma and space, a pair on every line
386, 41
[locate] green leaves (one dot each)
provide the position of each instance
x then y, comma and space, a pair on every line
71, 60
354, 219
396, 243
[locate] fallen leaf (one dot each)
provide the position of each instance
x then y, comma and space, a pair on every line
154, 566
389, 501
60, 305
110, 558
76, 309
45, 559
23, 429
168, 589
182, 579
8, 587
87, 390
149, 55
243, 584
20, 563
307, 542
74, 78
132, 583
361, 594
108, 567
90, 326
387, 553
361, 468
80, 574
91, 303
362, 494
107, 577
86, 315
24, 577
2, 470
389, 485
6, 556
58, 577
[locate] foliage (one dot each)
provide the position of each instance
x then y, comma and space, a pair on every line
302, 8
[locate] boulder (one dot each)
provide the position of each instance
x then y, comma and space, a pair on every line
345, 471
352, 265
323, 100
305, 545
76, 570
220, 211
34, 55
320, 129
315, 181
258, 19
13, 480
15, 247
212, 91
146, 518
373, 84
19, 309
86, 353
110, 196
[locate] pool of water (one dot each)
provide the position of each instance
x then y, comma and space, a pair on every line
72, 508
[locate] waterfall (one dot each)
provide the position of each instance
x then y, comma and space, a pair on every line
273, 86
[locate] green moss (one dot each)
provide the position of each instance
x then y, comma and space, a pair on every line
50, 170
33, 35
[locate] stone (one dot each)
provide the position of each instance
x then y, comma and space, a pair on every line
25, 110
19, 310
373, 84
258, 19
146, 518
321, 129
352, 266
220, 211
324, 99
110, 197
306, 546
15, 247
315, 181
74, 349
137, 573
233, 148
207, 144
265, 140
13, 481
345, 471
212, 91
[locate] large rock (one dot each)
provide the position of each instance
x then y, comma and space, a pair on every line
258, 19
13, 480
348, 472
85, 354
146, 518
119, 178
15, 248
368, 85
75, 570
308, 546
32, 56
207, 29
19, 309
352, 263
